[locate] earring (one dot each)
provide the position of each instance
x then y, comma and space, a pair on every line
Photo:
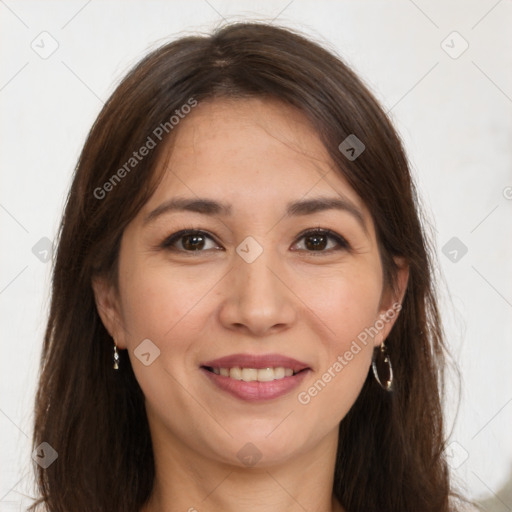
116, 357
382, 369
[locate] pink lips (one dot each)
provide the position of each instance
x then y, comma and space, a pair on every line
256, 391
255, 361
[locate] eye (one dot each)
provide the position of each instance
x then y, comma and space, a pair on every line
194, 240
189, 240
317, 240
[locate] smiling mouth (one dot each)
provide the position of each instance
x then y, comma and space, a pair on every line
254, 374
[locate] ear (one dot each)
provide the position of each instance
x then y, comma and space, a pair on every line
391, 301
107, 304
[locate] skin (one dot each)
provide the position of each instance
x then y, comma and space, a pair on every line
305, 303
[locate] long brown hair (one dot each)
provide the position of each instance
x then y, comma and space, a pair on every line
391, 445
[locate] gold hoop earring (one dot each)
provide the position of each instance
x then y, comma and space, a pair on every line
382, 369
116, 357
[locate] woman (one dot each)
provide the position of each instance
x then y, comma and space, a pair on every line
242, 312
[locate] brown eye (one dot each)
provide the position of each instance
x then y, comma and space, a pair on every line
193, 242
318, 241
189, 241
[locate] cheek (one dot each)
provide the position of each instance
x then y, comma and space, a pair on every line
166, 306
172, 307
344, 302
345, 306
156, 298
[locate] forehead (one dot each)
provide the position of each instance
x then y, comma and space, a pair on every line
248, 152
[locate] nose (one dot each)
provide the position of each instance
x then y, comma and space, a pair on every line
258, 300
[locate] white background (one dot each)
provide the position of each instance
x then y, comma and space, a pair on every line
454, 115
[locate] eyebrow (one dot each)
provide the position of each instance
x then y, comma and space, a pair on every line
297, 208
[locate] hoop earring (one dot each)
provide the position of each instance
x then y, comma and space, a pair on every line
116, 357
382, 369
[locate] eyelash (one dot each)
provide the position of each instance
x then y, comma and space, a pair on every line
172, 239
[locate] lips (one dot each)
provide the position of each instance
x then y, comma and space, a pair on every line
255, 390
256, 361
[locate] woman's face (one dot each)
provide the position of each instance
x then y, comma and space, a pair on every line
259, 278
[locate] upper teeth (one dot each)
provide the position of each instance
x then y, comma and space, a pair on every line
252, 374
